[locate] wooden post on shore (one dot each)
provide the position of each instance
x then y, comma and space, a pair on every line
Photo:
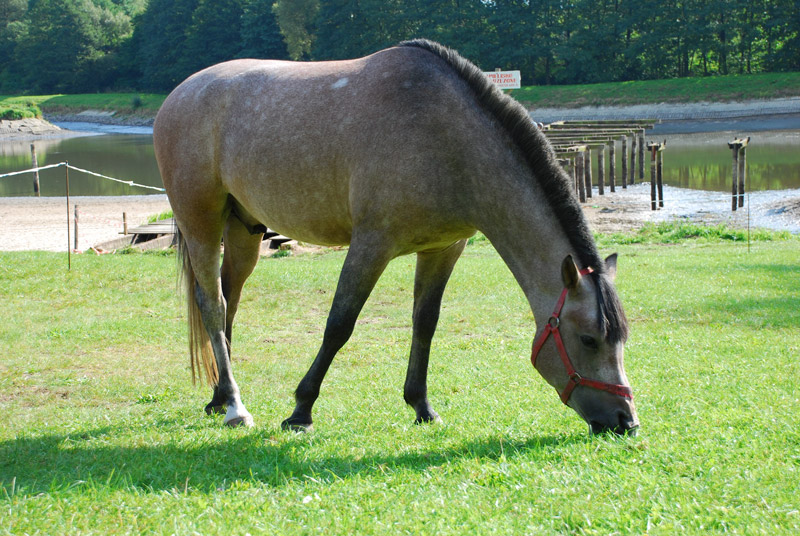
35, 163
738, 171
124, 223
624, 159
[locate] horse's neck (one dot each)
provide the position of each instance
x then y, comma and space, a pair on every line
531, 241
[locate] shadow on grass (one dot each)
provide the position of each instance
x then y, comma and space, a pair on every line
58, 463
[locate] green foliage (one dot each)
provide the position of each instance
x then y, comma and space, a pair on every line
105, 434
294, 18
90, 45
12, 113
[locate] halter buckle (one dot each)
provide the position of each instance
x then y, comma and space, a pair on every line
575, 377
554, 322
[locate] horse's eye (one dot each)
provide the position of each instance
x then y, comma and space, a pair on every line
589, 342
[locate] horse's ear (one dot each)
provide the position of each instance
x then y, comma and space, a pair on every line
569, 273
611, 266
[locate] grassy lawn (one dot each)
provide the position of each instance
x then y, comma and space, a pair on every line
104, 434
145, 104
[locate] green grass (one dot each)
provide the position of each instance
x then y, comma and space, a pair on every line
103, 433
144, 104
675, 90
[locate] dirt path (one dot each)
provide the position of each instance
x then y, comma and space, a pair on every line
28, 223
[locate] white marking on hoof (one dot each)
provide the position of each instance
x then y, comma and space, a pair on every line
238, 417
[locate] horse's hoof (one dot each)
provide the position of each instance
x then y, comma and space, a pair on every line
215, 410
429, 419
244, 420
290, 426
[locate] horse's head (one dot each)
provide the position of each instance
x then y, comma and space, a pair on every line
579, 351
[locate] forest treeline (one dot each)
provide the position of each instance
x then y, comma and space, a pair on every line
71, 46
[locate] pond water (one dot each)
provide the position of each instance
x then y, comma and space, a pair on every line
699, 161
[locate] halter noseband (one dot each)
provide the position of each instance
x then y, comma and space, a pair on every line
575, 379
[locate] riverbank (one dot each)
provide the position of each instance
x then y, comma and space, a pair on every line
32, 223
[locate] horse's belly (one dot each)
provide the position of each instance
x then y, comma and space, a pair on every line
307, 215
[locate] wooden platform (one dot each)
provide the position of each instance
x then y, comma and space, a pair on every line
160, 234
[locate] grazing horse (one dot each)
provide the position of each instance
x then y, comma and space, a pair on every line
409, 150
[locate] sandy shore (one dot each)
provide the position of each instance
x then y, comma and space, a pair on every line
40, 223
28, 223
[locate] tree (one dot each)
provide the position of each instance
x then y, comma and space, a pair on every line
260, 34
294, 19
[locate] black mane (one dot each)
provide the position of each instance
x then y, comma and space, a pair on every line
549, 174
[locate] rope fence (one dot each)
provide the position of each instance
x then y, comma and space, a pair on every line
69, 166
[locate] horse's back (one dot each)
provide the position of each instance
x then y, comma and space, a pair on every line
309, 148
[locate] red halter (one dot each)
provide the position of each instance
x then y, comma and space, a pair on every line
575, 379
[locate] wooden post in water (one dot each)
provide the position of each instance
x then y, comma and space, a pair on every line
601, 170
659, 174
579, 177
652, 176
612, 166
35, 163
656, 170
742, 172
587, 172
624, 160
641, 155
633, 160
738, 171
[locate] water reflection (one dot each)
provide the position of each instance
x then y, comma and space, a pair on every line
128, 157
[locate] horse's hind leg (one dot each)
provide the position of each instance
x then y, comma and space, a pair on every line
433, 272
365, 262
241, 255
202, 237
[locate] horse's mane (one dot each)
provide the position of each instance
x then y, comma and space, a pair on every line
551, 177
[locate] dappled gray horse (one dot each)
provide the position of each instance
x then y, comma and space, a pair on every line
409, 150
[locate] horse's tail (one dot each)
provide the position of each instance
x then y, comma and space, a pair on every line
201, 355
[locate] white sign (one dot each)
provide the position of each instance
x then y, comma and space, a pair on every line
506, 79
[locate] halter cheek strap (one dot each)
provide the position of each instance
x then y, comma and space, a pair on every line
575, 379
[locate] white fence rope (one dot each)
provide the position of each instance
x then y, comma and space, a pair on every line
60, 164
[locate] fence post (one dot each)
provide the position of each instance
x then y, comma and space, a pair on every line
76, 227
652, 176
35, 163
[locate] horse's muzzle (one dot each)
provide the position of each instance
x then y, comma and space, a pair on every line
626, 426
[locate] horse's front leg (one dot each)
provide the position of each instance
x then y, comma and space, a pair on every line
433, 272
364, 264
